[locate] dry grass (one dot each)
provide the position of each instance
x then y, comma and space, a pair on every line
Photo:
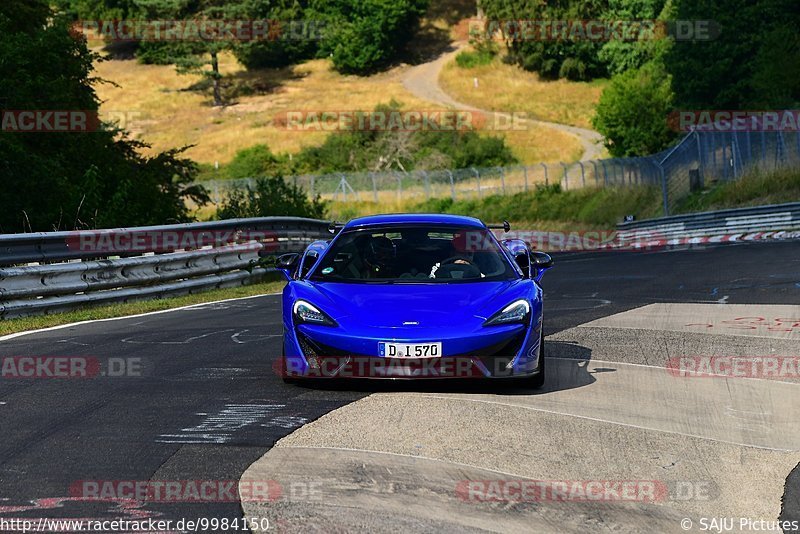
508, 88
171, 110
172, 115
536, 144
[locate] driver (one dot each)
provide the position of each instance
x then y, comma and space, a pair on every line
465, 260
377, 254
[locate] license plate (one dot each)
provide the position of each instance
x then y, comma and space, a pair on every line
410, 350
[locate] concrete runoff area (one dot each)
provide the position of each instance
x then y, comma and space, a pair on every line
612, 411
777, 321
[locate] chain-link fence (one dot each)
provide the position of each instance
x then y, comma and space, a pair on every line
699, 159
704, 158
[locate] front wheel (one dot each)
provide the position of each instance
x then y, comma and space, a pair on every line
284, 370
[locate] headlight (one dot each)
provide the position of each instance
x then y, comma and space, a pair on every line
516, 312
305, 312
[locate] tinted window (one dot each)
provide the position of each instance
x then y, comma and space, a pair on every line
414, 254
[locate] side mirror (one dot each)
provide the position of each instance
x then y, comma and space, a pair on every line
540, 262
287, 264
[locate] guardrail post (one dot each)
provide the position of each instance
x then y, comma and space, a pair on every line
566, 178
713, 151
374, 187
427, 185
478, 176
503, 179
797, 142
700, 162
546, 184
399, 185
525, 172
583, 174
596, 176
452, 185
663, 188
725, 158
312, 186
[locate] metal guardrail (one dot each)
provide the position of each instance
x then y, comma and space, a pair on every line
777, 221
59, 271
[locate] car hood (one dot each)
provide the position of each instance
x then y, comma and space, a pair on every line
402, 305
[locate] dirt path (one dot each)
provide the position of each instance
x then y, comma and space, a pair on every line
423, 82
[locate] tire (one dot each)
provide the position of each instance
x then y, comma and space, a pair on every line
284, 374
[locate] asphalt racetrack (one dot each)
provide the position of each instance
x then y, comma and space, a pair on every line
203, 403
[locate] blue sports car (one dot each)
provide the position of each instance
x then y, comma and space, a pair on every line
414, 296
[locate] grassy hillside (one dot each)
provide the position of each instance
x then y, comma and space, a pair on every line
756, 189
503, 87
172, 110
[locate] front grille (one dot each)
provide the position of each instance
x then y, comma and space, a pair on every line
495, 359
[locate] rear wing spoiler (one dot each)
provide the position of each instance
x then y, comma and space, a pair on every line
506, 226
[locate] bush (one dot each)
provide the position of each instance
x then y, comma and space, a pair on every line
431, 150
271, 197
369, 34
632, 112
470, 60
256, 161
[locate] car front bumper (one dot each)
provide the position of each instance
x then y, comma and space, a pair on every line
496, 352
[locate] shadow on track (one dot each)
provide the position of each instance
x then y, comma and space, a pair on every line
566, 368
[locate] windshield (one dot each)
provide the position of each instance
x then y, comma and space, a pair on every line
414, 254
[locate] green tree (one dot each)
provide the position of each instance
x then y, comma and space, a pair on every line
621, 55
296, 33
574, 58
360, 36
197, 52
752, 63
56, 181
632, 112
98, 9
366, 35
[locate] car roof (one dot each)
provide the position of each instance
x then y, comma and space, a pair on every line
414, 218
